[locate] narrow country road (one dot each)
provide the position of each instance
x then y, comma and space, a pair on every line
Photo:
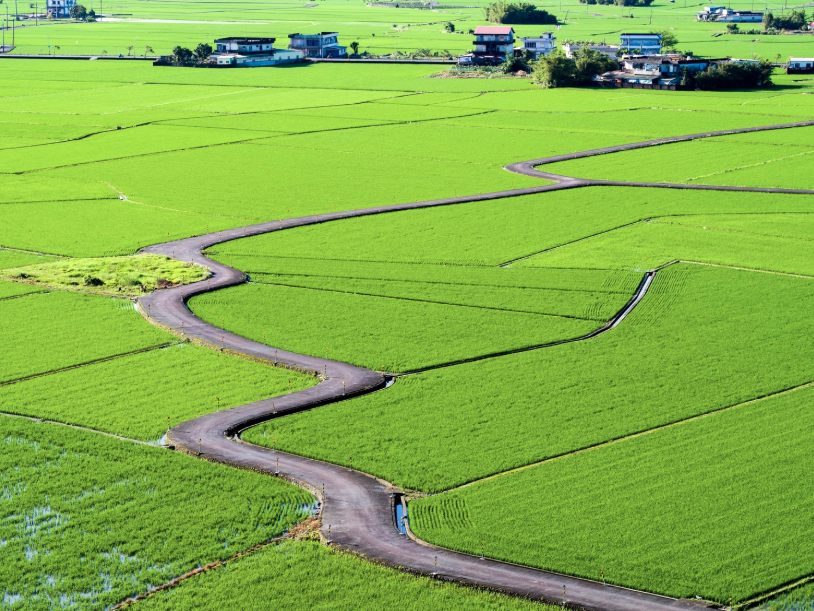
358, 511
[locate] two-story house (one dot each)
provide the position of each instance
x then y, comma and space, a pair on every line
641, 44
322, 45
59, 9
545, 44
493, 45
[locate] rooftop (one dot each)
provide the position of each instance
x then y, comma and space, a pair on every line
643, 35
317, 34
493, 29
246, 41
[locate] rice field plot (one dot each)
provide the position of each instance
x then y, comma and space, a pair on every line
588, 305
9, 290
382, 333
649, 244
88, 521
714, 338
100, 227
280, 169
17, 189
117, 144
496, 232
47, 331
16, 258
305, 574
768, 159
261, 264
139, 395
714, 507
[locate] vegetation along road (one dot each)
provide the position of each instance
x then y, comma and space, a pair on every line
357, 509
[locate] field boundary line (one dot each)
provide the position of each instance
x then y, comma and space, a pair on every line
79, 427
194, 572
614, 321
656, 221
413, 299
617, 440
747, 269
372, 279
564, 244
93, 362
34, 252
23, 295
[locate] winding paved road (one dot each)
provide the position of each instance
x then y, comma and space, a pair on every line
358, 509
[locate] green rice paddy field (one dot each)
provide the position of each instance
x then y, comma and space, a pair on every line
669, 454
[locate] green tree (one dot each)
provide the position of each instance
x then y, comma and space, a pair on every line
202, 52
590, 63
354, 47
449, 27
768, 20
148, 50
735, 76
732, 28
554, 70
78, 12
669, 40
181, 55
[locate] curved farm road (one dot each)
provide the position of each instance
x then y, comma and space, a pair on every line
357, 508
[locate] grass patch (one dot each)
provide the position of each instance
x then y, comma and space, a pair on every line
118, 275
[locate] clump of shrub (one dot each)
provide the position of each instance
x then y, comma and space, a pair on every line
734, 76
557, 70
521, 13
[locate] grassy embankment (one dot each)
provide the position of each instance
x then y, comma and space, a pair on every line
133, 275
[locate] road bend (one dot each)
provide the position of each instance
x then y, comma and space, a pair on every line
357, 512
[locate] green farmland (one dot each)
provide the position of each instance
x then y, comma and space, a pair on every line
669, 453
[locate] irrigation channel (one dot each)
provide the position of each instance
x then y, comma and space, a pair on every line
358, 510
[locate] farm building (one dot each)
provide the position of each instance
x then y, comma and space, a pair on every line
59, 8
545, 44
730, 16
800, 65
609, 50
251, 52
322, 45
493, 44
658, 71
643, 44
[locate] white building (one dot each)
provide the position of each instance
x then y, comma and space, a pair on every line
251, 52
544, 45
59, 9
800, 65
641, 44
324, 44
609, 50
730, 16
